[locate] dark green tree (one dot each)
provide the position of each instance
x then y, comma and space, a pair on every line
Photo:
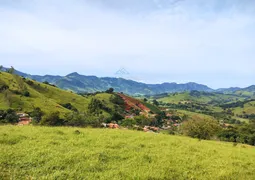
36, 115
155, 102
110, 90
26, 94
11, 117
52, 119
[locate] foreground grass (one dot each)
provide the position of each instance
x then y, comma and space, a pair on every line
71, 153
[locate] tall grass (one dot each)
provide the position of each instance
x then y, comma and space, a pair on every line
30, 152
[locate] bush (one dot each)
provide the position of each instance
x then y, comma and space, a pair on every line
52, 119
26, 94
4, 87
70, 107
29, 82
128, 122
75, 119
110, 90
200, 128
117, 116
36, 114
142, 120
9, 116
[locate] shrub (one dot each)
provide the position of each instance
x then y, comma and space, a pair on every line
26, 94
36, 114
70, 107
8, 116
29, 82
110, 90
128, 122
4, 87
142, 120
200, 128
52, 119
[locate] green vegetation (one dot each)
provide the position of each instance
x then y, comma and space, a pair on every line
25, 95
201, 128
201, 97
32, 152
8, 116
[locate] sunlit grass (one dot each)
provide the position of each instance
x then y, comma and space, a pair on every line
30, 152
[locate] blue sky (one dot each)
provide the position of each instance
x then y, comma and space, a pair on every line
206, 41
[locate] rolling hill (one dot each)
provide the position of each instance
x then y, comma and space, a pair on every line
23, 95
81, 83
47, 97
201, 97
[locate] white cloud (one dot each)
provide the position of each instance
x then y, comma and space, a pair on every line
99, 38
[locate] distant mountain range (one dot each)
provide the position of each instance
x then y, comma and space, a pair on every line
81, 83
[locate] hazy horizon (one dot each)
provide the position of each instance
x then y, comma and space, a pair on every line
208, 42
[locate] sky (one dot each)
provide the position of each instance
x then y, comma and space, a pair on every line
210, 42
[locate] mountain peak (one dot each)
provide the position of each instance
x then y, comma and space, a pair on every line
73, 74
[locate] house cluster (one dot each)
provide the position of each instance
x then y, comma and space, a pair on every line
110, 125
151, 129
24, 119
169, 123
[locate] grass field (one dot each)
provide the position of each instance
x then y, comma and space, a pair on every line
29, 152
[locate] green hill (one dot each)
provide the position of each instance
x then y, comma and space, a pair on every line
31, 152
201, 97
230, 108
81, 83
24, 94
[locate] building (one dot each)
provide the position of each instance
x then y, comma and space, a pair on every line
24, 119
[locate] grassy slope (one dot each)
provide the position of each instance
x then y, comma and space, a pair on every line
59, 153
46, 97
194, 115
249, 108
181, 97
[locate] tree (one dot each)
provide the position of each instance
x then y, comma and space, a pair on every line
155, 102
95, 106
11, 70
200, 128
116, 116
36, 114
1, 67
11, 116
130, 122
26, 94
142, 120
75, 119
70, 107
110, 90
145, 100
52, 119
46, 82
